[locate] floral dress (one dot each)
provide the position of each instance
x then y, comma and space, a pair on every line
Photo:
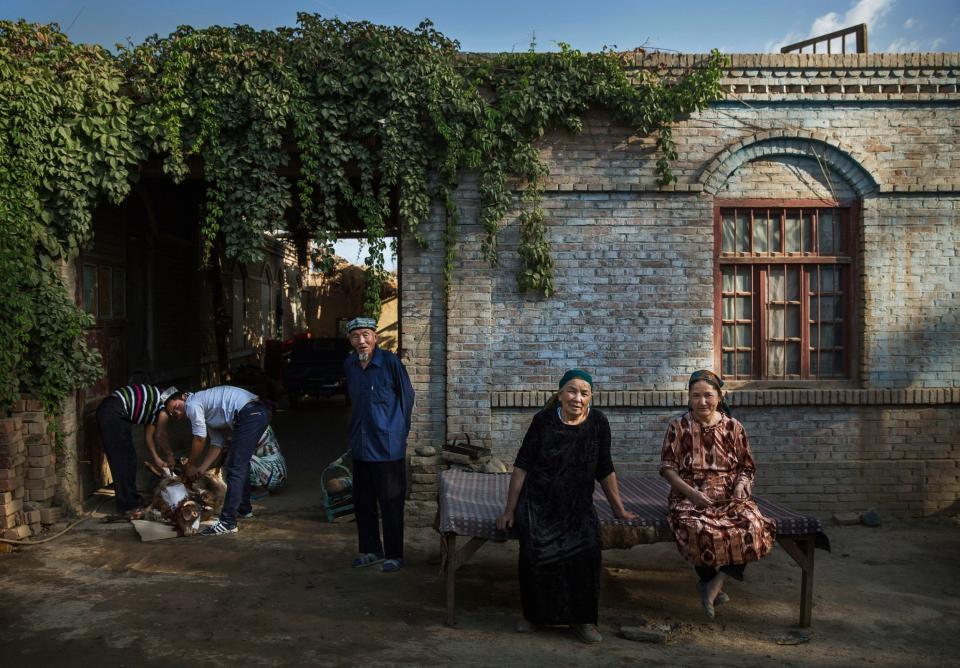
713, 460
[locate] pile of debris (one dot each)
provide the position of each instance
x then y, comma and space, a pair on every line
181, 502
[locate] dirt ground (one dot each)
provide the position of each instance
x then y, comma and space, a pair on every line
281, 592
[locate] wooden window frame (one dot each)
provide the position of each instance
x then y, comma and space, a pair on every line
849, 231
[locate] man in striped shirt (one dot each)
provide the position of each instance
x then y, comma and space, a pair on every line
116, 415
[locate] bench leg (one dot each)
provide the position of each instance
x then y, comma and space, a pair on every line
450, 541
801, 550
456, 559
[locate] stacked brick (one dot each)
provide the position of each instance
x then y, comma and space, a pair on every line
423, 483
12, 461
28, 476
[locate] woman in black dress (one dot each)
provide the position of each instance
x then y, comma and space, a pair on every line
550, 499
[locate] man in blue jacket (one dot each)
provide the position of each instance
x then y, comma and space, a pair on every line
382, 399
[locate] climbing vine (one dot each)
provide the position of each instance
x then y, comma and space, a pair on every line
64, 142
379, 122
324, 129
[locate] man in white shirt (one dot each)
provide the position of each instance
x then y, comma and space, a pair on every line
223, 412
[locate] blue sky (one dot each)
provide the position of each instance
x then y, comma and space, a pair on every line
695, 26
750, 26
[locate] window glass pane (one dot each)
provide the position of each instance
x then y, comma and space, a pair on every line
793, 358
743, 308
104, 296
826, 233
793, 283
727, 245
727, 336
808, 232
760, 225
838, 363
775, 285
826, 334
793, 321
813, 363
826, 364
837, 336
826, 308
776, 242
775, 322
743, 336
728, 308
727, 273
743, 231
814, 275
743, 279
793, 232
814, 337
728, 364
90, 288
119, 293
814, 309
828, 281
744, 364
775, 359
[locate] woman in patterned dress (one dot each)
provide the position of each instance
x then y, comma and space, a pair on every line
706, 459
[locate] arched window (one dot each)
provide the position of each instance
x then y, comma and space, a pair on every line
786, 216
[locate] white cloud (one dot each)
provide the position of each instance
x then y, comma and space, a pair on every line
774, 46
864, 11
909, 23
901, 45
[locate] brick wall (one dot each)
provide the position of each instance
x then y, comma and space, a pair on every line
634, 277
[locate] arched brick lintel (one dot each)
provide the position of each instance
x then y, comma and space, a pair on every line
796, 143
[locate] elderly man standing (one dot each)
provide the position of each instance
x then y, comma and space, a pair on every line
220, 412
382, 399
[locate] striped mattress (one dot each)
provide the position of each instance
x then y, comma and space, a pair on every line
471, 502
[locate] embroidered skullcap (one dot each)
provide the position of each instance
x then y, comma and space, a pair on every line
706, 375
576, 373
167, 393
361, 323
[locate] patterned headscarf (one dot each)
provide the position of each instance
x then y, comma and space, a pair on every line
717, 382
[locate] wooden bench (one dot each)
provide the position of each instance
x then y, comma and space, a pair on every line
471, 502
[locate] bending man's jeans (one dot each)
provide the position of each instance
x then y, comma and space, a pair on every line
117, 436
249, 425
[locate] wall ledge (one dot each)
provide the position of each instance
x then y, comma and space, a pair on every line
804, 397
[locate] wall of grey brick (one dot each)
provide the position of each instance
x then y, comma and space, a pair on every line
633, 275
911, 292
634, 278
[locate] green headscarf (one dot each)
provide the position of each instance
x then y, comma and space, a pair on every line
576, 373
